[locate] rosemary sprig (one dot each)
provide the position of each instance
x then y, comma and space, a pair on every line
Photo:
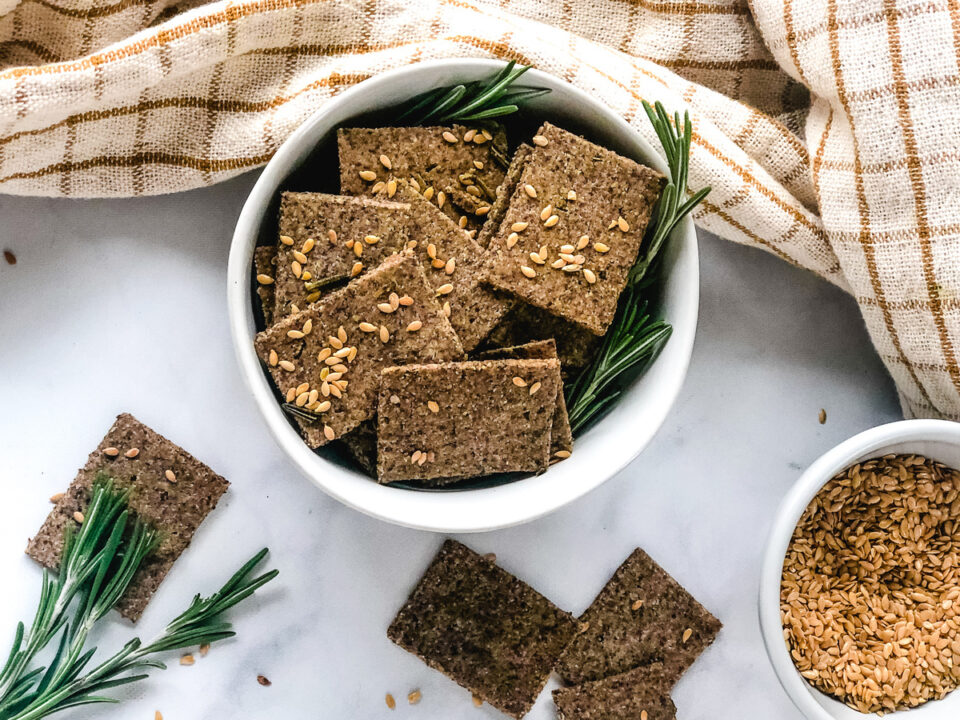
97, 566
635, 337
92, 568
634, 340
669, 211
472, 102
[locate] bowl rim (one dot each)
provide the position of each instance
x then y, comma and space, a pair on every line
872, 441
435, 511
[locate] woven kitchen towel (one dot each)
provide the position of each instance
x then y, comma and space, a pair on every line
827, 128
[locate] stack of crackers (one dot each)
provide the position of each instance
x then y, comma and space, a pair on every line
500, 639
425, 318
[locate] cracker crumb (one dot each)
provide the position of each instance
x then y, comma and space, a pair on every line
822, 417
414, 697
187, 659
391, 703
264, 680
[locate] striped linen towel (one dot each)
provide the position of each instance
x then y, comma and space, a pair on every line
827, 128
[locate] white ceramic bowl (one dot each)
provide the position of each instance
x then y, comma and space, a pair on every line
600, 452
936, 439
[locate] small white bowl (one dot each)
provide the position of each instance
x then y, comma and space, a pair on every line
935, 439
602, 451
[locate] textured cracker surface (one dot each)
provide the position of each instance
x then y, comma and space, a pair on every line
561, 437
265, 263
422, 153
361, 445
504, 193
483, 628
525, 323
348, 307
620, 638
621, 697
475, 308
608, 186
175, 509
313, 215
485, 424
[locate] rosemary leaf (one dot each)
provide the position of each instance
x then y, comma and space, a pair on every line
473, 102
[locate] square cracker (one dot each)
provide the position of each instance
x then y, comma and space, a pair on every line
350, 309
620, 697
422, 154
619, 638
483, 628
608, 187
486, 420
475, 308
176, 509
331, 262
561, 437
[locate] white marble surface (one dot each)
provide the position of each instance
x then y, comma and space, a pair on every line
120, 305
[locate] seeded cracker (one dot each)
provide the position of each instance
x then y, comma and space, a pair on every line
175, 508
504, 193
561, 437
265, 264
300, 340
469, 419
379, 227
423, 154
621, 697
610, 191
622, 635
453, 263
483, 628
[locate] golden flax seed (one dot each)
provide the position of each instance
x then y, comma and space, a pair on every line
869, 585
